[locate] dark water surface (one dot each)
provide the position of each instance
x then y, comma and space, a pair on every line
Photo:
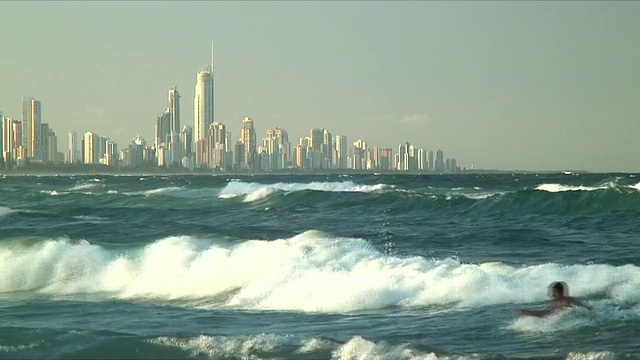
318, 267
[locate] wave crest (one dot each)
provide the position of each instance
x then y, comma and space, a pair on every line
310, 272
257, 191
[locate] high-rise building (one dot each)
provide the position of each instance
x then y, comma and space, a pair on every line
278, 148
238, 150
110, 157
403, 158
451, 166
360, 155
49, 144
173, 108
163, 130
218, 145
386, 159
91, 148
72, 152
201, 152
52, 148
342, 150
32, 128
248, 138
327, 148
186, 138
439, 165
8, 144
430, 164
203, 110
317, 138
422, 160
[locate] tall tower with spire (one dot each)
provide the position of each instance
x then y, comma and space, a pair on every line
173, 107
203, 104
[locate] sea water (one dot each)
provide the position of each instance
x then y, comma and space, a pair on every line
318, 266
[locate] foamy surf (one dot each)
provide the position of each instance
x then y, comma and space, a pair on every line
603, 312
159, 191
603, 355
257, 191
310, 272
563, 188
5, 211
249, 347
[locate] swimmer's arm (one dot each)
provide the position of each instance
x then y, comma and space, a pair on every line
538, 313
580, 303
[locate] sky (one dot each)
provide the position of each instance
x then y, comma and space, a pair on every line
506, 85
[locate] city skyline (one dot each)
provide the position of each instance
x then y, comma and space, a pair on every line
538, 102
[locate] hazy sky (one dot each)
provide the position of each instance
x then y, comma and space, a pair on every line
509, 85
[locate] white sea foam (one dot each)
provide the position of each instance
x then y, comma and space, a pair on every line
4, 211
636, 186
310, 272
359, 348
562, 188
482, 195
160, 191
85, 186
89, 218
604, 355
248, 347
16, 348
257, 191
225, 347
54, 192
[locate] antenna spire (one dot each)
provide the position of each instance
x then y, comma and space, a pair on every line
212, 56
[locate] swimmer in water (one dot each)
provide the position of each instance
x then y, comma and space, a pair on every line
561, 300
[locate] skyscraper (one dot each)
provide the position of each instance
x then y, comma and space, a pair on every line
163, 129
277, 146
217, 145
72, 151
7, 139
203, 110
439, 166
341, 152
32, 138
248, 138
317, 138
186, 137
173, 108
91, 148
327, 148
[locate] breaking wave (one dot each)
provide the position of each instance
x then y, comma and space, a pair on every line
248, 347
5, 211
310, 272
257, 191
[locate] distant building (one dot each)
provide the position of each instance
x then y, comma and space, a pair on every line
73, 155
91, 148
32, 137
173, 108
203, 107
342, 151
163, 130
248, 138
8, 144
277, 149
439, 165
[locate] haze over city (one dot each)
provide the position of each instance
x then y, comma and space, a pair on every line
531, 86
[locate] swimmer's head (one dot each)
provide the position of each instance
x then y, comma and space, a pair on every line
558, 290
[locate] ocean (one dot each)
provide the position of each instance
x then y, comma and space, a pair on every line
318, 266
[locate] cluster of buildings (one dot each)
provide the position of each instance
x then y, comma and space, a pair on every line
28, 139
207, 145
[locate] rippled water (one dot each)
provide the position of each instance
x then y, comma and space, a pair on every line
318, 267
